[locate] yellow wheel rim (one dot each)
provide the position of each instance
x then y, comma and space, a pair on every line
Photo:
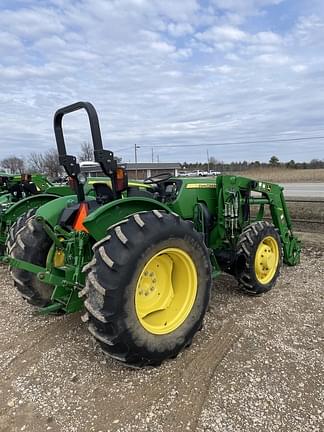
266, 260
166, 291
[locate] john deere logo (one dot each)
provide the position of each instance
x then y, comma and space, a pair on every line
201, 186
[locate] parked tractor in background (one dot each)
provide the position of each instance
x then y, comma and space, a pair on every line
24, 194
21, 195
141, 259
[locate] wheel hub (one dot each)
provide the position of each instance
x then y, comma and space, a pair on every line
266, 260
166, 291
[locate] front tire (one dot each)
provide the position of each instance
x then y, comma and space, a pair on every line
259, 258
148, 288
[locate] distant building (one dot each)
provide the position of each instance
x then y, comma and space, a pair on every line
143, 170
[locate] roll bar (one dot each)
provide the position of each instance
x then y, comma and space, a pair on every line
104, 157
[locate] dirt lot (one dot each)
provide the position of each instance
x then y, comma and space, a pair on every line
257, 365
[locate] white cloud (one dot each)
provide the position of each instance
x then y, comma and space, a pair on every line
180, 29
273, 59
267, 37
163, 47
31, 22
299, 68
225, 69
244, 6
222, 34
160, 72
8, 41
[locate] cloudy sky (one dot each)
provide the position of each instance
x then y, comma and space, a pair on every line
182, 76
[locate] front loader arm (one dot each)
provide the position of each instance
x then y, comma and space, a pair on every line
282, 221
255, 193
272, 194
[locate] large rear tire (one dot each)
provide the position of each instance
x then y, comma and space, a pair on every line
147, 288
29, 242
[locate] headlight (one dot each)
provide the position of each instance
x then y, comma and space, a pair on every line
82, 178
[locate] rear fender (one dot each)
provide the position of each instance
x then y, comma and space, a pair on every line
51, 211
63, 190
22, 206
110, 214
5, 198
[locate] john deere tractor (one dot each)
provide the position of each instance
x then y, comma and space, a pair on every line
140, 260
24, 193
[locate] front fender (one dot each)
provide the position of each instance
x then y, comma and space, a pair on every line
109, 214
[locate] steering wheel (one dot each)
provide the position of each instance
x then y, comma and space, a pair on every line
159, 178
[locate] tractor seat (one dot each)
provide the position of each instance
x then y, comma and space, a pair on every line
16, 191
30, 188
103, 192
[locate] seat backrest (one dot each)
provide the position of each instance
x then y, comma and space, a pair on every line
16, 191
104, 194
30, 188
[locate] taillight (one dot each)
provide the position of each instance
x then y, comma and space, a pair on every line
121, 179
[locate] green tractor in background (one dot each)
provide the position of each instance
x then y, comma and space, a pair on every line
140, 259
22, 195
14, 187
5, 182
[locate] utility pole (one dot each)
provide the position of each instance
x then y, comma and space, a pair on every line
152, 155
207, 161
135, 150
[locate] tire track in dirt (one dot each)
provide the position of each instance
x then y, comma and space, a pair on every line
168, 396
194, 381
41, 339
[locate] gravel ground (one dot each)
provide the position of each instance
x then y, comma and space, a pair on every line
257, 365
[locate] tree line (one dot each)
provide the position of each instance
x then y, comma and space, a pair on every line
48, 163
43, 163
274, 162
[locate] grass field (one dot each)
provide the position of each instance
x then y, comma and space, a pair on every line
284, 175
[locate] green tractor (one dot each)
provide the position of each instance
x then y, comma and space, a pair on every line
24, 193
5, 182
140, 260
18, 186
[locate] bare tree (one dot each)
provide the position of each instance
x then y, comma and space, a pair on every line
86, 153
35, 163
46, 163
14, 164
52, 165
